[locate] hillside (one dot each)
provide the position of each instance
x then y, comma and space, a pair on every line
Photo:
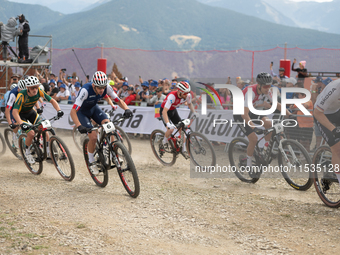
174, 25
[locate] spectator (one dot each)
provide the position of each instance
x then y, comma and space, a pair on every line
305, 130
63, 93
23, 37
290, 82
153, 87
302, 71
143, 96
123, 92
317, 88
75, 93
281, 75
158, 98
131, 98
239, 83
224, 94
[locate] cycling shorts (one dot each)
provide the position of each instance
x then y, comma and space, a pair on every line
325, 132
31, 116
172, 115
247, 130
95, 113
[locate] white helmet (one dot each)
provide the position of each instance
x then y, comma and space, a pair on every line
14, 85
41, 87
32, 81
99, 79
22, 84
183, 86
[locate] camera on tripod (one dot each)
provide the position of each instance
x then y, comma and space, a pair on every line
8, 33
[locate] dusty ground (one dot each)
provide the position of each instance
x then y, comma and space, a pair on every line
174, 213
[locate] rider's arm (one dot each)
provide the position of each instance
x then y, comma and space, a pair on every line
321, 117
74, 117
165, 115
122, 104
55, 104
8, 115
192, 108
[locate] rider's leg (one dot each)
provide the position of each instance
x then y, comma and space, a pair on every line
251, 147
336, 159
267, 124
92, 145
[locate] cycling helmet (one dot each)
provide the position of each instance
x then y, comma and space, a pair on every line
183, 86
22, 84
14, 85
99, 79
32, 81
264, 79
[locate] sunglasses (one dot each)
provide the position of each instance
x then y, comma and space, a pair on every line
14, 79
34, 87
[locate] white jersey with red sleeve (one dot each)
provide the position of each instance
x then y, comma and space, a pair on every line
256, 98
172, 101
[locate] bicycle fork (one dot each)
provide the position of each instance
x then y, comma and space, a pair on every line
285, 157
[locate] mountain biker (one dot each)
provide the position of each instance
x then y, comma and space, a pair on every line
86, 108
9, 108
259, 93
327, 118
23, 111
169, 112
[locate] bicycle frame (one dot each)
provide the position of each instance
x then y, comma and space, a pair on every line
177, 140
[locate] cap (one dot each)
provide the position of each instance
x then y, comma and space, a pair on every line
145, 83
154, 83
63, 86
318, 79
125, 79
291, 80
60, 81
327, 81
52, 81
77, 85
281, 69
125, 84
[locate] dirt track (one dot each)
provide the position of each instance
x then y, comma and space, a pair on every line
174, 214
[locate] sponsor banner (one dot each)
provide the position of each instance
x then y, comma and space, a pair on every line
142, 122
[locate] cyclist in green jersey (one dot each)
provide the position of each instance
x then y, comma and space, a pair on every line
23, 110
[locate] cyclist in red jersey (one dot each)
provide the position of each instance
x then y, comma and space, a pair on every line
259, 93
168, 110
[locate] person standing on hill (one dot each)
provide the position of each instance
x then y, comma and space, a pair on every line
24, 28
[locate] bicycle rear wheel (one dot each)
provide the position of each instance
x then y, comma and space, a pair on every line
237, 153
37, 167
78, 138
13, 146
126, 169
102, 178
293, 164
164, 155
62, 158
200, 150
124, 139
325, 181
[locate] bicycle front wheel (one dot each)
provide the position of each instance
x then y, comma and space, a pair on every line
163, 154
62, 158
12, 145
36, 167
124, 139
325, 181
126, 169
102, 178
237, 153
2, 145
293, 160
201, 150
78, 138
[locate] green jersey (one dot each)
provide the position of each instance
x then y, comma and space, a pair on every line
25, 103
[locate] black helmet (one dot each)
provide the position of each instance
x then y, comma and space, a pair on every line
264, 79
281, 69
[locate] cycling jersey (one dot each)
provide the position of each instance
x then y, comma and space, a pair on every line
328, 101
25, 103
172, 101
256, 98
11, 98
87, 97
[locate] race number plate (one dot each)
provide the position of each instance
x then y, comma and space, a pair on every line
109, 127
186, 122
46, 124
278, 128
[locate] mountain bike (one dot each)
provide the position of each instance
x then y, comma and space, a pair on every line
2, 145
12, 143
60, 154
110, 153
199, 148
293, 160
325, 181
79, 138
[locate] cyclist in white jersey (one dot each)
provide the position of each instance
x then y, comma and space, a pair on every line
327, 118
